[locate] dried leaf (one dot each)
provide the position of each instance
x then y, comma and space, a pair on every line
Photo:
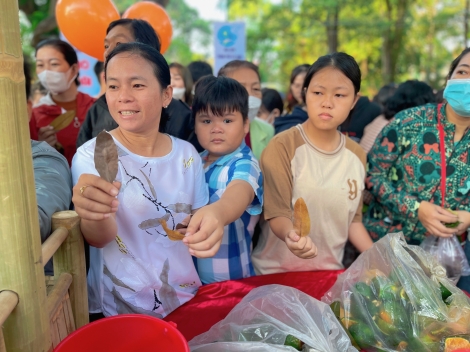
172, 234
301, 218
154, 194
106, 156
63, 120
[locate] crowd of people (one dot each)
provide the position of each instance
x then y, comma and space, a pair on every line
222, 160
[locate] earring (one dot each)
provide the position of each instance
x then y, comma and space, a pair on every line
166, 106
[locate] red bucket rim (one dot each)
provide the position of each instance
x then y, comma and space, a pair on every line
170, 325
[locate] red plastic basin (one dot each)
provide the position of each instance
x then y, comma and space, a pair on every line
127, 332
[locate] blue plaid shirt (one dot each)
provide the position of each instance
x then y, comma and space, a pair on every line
233, 260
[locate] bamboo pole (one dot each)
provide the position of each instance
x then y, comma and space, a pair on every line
70, 258
21, 269
53, 242
8, 302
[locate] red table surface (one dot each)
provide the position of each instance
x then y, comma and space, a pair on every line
213, 302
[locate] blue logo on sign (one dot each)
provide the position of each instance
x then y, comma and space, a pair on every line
226, 37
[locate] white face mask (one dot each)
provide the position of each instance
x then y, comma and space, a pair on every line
254, 104
270, 118
178, 93
55, 82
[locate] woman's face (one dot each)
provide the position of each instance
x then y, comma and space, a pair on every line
118, 35
329, 97
134, 95
248, 79
50, 59
176, 78
296, 86
462, 71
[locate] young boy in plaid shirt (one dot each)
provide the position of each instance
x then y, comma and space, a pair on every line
220, 113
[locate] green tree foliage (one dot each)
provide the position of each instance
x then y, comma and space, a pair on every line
190, 33
392, 40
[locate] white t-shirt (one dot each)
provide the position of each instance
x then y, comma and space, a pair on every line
142, 271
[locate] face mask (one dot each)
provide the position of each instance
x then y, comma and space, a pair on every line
270, 118
254, 104
457, 94
178, 93
55, 82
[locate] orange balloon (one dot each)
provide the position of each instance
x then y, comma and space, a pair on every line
156, 16
84, 23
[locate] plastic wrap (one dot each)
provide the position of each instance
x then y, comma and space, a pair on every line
396, 297
266, 316
449, 254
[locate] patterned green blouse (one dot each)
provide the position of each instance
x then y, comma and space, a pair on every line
404, 169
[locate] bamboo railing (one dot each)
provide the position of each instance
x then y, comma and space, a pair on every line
23, 304
66, 304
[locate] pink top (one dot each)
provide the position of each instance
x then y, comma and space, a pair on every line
371, 131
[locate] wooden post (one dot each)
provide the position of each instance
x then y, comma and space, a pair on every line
21, 269
70, 258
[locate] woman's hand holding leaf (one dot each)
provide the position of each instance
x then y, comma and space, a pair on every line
95, 198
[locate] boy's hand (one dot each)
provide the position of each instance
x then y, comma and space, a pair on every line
183, 225
302, 247
204, 233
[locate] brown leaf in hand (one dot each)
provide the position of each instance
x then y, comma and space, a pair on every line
301, 218
106, 156
63, 120
172, 234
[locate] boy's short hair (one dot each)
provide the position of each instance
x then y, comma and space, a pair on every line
219, 95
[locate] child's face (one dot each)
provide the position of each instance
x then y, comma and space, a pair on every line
221, 135
329, 97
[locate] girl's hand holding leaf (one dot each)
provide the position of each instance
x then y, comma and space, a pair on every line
302, 247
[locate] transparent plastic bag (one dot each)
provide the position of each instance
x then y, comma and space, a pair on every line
449, 254
396, 297
266, 316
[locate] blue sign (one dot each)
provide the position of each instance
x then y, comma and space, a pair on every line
229, 43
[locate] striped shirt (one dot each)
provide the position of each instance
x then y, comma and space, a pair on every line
233, 260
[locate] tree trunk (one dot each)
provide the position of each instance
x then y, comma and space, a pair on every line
332, 29
21, 268
393, 39
465, 22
